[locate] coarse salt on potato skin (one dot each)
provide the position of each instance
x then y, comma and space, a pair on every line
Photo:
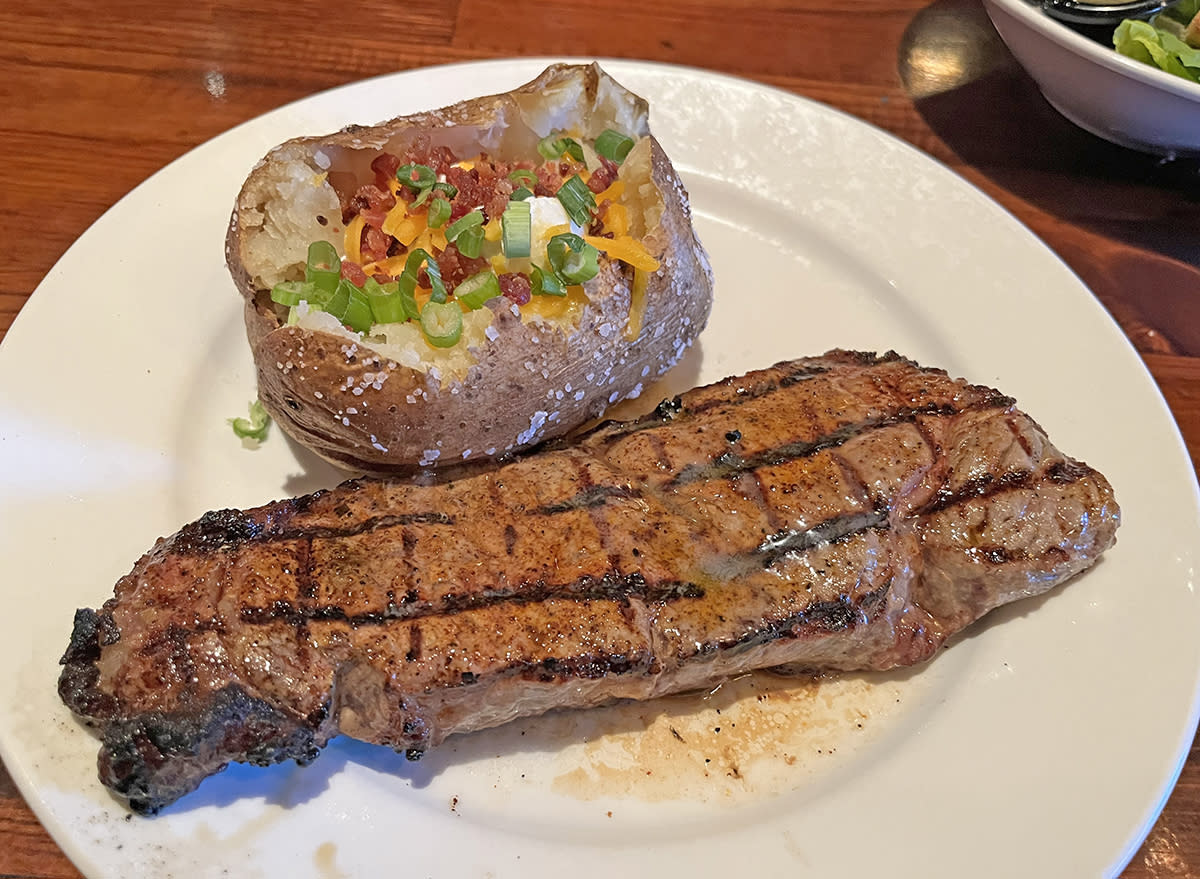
516, 378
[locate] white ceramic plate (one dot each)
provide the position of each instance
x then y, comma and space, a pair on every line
1045, 741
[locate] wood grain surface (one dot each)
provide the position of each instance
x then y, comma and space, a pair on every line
96, 96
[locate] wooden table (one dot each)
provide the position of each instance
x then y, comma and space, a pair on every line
97, 95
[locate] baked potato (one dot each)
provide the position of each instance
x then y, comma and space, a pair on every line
464, 283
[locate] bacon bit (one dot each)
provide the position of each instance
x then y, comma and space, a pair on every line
368, 196
385, 166
353, 273
374, 217
470, 193
421, 152
375, 244
455, 267
516, 287
603, 176
596, 226
552, 174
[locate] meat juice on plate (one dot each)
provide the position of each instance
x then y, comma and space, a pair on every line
749, 739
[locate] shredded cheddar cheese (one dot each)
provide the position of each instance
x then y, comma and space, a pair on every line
554, 307
430, 240
637, 304
395, 218
625, 249
613, 193
392, 266
616, 219
353, 239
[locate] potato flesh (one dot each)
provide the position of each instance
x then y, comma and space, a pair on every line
300, 192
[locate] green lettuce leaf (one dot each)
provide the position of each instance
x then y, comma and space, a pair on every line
1154, 45
1184, 11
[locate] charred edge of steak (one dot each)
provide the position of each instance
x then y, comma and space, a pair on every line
153, 759
216, 530
77, 684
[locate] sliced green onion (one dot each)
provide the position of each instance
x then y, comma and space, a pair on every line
358, 311
520, 194
322, 283
290, 292
387, 305
254, 427
552, 147
467, 233
613, 145
545, 283
577, 199
516, 229
340, 303
324, 267
439, 213
441, 322
422, 183
523, 177
406, 286
470, 241
449, 188
466, 221
572, 258
478, 289
412, 266
416, 177
323, 255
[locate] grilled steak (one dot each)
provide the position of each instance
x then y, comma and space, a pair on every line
833, 513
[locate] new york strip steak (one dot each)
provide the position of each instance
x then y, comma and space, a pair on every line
842, 512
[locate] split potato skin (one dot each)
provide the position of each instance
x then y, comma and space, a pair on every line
520, 375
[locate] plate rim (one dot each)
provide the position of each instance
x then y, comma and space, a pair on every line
927, 163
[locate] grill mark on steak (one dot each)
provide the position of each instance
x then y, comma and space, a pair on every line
592, 496
830, 531
610, 587
228, 529
729, 464
830, 513
745, 394
989, 484
306, 583
670, 408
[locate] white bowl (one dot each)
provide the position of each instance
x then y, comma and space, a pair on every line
1114, 97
